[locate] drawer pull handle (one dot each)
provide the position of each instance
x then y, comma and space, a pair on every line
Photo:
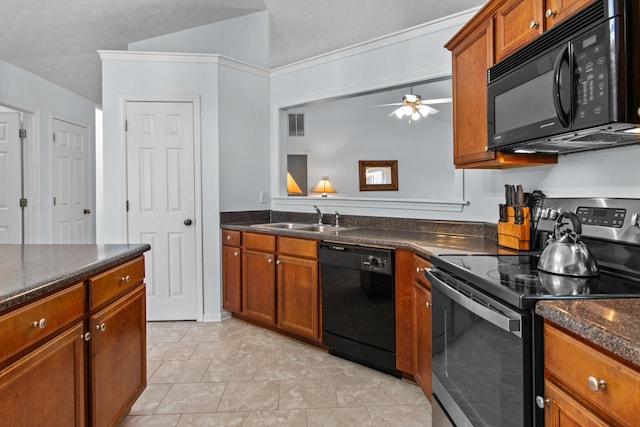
125, 279
419, 270
541, 402
101, 327
40, 324
533, 24
427, 304
228, 237
235, 254
549, 13
596, 384
86, 336
270, 261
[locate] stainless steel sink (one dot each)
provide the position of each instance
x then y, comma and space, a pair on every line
297, 226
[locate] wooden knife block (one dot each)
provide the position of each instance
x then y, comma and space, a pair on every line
515, 236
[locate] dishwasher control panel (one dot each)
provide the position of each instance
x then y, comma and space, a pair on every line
376, 263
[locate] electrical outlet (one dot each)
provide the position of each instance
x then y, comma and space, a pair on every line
263, 197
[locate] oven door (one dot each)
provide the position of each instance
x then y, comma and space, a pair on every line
482, 360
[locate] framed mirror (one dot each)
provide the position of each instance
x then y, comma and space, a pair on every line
378, 175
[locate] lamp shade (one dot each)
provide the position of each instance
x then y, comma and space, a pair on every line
292, 185
324, 186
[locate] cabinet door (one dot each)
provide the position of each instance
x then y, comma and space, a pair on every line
557, 10
517, 22
118, 362
563, 411
232, 279
47, 386
259, 286
422, 308
298, 296
470, 62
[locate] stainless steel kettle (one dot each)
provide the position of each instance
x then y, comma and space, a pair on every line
566, 254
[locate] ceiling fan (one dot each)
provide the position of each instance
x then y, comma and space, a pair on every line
414, 106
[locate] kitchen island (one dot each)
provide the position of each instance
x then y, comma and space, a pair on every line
591, 361
73, 341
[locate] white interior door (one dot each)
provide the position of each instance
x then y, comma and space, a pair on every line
161, 198
10, 179
71, 173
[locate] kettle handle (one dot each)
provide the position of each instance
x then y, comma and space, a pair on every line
575, 222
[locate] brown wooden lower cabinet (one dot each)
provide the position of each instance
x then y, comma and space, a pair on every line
67, 365
422, 307
47, 386
232, 278
298, 296
118, 357
259, 286
564, 411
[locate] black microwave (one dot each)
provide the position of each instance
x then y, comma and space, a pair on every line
574, 88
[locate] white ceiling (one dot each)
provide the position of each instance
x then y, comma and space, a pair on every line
58, 39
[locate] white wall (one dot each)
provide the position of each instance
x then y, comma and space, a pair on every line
245, 38
25, 91
414, 55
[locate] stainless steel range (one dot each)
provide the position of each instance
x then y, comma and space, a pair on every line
487, 341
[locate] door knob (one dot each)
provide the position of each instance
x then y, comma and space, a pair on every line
86, 211
188, 222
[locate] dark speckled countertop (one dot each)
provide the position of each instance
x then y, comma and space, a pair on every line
30, 271
423, 243
613, 324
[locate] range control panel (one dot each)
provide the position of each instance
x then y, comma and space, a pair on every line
603, 217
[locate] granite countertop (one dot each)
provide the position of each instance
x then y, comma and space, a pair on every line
612, 324
30, 271
423, 243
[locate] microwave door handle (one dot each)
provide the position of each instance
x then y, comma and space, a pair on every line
563, 116
496, 318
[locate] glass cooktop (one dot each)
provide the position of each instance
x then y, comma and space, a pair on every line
516, 280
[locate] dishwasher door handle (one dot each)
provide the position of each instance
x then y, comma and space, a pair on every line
491, 315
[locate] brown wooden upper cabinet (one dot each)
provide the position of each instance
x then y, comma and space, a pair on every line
499, 28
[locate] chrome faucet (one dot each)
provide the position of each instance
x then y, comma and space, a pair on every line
337, 219
319, 214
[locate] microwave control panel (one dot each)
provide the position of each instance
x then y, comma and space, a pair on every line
591, 77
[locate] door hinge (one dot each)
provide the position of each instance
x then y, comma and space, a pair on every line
54, 201
127, 206
54, 137
126, 125
22, 133
23, 203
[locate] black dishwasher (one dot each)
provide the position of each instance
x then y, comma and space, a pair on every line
358, 313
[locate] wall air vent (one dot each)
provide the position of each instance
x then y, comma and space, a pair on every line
296, 124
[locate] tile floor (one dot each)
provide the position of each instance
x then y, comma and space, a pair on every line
235, 374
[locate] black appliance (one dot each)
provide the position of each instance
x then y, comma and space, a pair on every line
573, 88
358, 310
487, 340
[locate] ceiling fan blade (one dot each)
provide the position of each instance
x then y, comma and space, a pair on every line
435, 101
388, 105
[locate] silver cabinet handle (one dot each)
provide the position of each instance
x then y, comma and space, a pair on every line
125, 279
419, 270
596, 384
270, 261
86, 336
278, 262
549, 13
427, 304
101, 327
40, 324
533, 24
541, 402
228, 237
235, 253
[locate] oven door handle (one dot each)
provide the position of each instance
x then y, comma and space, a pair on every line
491, 315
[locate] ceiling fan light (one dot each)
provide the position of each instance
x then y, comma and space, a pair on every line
415, 116
423, 111
411, 98
399, 112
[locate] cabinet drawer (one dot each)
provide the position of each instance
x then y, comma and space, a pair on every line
297, 247
26, 325
419, 265
230, 238
260, 242
115, 282
573, 362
